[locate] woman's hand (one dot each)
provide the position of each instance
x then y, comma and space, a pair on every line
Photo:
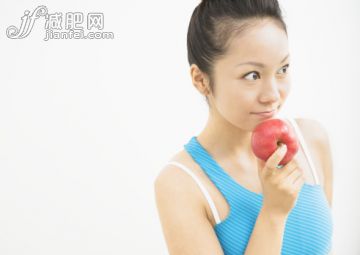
281, 186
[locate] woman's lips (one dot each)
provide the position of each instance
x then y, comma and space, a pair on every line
265, 114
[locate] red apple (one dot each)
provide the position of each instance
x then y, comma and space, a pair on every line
269, 134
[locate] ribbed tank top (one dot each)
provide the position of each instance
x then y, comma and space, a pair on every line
309, 227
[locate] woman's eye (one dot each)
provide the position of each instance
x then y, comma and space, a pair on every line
283, 69
252, 76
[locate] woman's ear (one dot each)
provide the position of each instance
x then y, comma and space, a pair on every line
200, 80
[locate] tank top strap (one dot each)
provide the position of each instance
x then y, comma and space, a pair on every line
202, 188
304, 147
215, 173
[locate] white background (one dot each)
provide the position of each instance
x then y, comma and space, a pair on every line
86, 125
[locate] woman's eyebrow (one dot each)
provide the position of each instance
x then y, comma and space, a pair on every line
259, 64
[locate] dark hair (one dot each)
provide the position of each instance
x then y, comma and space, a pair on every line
214, 22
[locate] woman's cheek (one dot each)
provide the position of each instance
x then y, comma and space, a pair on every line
286, 88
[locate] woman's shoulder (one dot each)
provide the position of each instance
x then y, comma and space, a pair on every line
313, 129
182, 212
171, 171
172, 177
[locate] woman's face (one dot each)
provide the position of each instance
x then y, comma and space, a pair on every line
253, 76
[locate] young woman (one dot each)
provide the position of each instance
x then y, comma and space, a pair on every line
215, 197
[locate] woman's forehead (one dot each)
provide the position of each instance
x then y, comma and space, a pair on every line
262, 42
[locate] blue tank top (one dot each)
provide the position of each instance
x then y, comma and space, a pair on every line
309, 227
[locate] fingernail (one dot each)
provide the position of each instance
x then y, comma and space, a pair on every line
283, 147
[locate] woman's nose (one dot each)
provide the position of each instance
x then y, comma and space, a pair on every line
270, 92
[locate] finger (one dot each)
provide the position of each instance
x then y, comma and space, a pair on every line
287, 171
260, 166
274, 160
293, 182
291, 164
290, 179
284, 171
294, 176
298, 183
